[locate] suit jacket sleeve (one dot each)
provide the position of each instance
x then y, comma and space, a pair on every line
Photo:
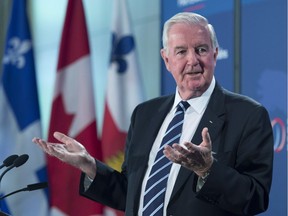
108, 187
240, 177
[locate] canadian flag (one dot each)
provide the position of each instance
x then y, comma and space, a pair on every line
124, 89
73, 113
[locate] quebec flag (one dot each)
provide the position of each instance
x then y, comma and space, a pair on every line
20, 120
125, 90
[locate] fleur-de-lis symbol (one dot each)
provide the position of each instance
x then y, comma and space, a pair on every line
15, 53
121, 47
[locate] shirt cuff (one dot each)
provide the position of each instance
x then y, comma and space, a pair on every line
87, 182
201, 181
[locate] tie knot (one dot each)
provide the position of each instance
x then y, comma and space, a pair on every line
183, 106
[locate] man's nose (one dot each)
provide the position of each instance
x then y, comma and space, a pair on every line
192, 58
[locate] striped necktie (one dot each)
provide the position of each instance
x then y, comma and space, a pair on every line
156, 184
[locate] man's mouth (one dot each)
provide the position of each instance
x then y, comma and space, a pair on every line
194, 73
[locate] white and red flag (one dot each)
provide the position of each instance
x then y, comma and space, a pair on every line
124, 88
73, 113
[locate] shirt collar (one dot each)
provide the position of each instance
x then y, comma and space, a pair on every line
197, 104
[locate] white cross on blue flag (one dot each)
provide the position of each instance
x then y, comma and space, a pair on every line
20, 119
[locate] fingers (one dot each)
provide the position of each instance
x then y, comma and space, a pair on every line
47, 147
193, 160
52, 148
170, 153
57, 135
69, 151
178, 154
191, 156
40, 143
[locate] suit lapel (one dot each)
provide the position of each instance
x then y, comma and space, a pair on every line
151, 127
213, 119
153, 124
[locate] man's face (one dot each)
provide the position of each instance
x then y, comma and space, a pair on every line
190, 59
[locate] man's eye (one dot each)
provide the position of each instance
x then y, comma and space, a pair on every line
181, 52
201, 50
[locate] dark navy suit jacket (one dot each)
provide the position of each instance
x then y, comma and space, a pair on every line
240, 178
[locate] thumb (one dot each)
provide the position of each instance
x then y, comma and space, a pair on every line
206, 138
62, 137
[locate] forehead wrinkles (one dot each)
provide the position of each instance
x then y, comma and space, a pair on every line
185, 40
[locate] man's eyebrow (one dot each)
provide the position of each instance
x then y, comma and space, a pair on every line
180, 47
202, 45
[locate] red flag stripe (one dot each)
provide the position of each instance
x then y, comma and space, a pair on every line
74, 36
73, 113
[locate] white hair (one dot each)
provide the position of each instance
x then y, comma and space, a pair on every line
190, 19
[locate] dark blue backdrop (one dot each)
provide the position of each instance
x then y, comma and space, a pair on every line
264, 77
263, 67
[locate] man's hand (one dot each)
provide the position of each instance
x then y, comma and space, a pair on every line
197, 158
69, 151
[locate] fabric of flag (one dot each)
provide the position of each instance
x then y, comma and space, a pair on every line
20, 119
73, 113
124, 88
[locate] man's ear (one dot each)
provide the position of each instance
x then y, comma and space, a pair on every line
165, 58
216, 53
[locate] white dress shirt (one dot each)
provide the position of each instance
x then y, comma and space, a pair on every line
192, 118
